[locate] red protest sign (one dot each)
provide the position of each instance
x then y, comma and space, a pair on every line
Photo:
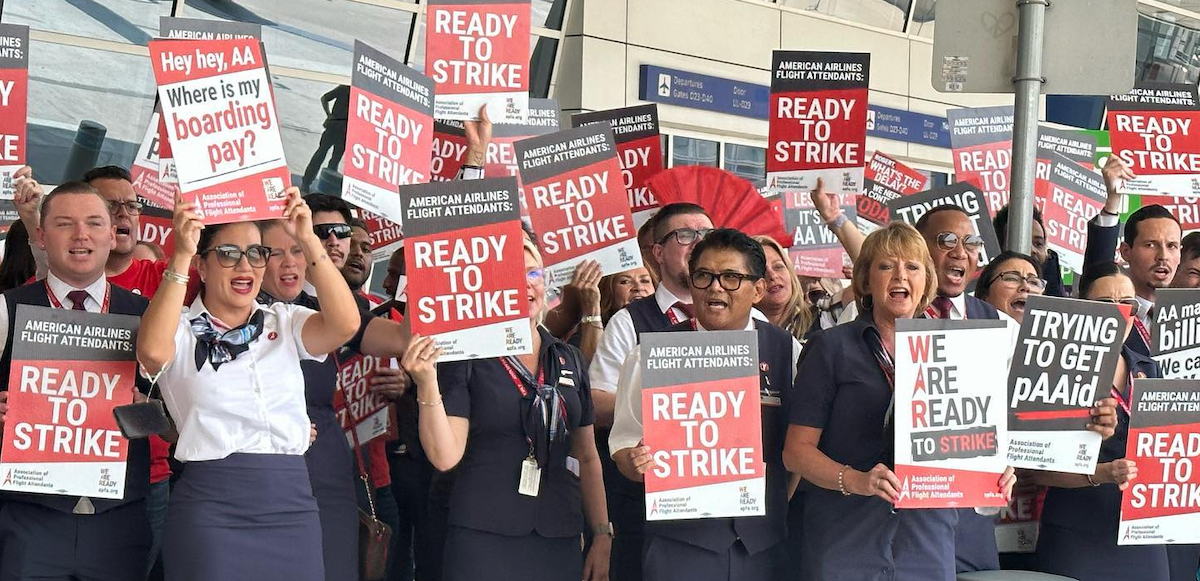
146, 170
981, 140
14, 96
639, 149
1072, 196
702, 420
884, 180
389, 131
815, 249
357, 407
1185, 208
386, 236
818, 123
477, 51
465, 265
220, 120
1155, 129
70, 369
157, 225
1163, 505
577, 202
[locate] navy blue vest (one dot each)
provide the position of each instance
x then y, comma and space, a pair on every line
137, 471
977, 309
756, 533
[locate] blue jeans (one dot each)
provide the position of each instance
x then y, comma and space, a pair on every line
156, 513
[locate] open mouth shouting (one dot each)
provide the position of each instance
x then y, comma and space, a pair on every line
956, 275
1018, 304
242, 285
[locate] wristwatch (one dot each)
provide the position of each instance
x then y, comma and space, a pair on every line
593, 320
604, 529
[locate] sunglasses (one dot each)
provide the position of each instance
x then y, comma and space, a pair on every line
342, 231
229, 255
950, 241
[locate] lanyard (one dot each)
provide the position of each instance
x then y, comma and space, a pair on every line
551, 416
512, 373
1121, 399
1143, 331
54, 302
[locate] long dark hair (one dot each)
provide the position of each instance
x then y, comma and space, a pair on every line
18, 265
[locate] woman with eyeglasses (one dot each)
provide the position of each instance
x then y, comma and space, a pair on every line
840, 440
1008, 280
230, 374
1081, 513
518, 433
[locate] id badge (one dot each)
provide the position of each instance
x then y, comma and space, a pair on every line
773, 401
531, 478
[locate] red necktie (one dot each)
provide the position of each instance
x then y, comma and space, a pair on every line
942, 306
686, 308
77, 299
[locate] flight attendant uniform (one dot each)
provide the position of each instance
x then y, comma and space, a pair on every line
244, 507
1078, 537
495, 531
842, 389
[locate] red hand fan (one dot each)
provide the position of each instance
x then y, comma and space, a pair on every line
731, 202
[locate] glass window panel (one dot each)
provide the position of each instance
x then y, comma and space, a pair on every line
128, 21
1168, 48
922, 18
748, 162
889, 14
691, 151
548, 13
72, 84
304, 124
316, 35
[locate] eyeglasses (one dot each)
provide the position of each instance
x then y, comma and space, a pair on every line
535, 275
950, 240
730, 281
229, 255
342, 231
1130, 302
686, 236
1014, 278
132, 207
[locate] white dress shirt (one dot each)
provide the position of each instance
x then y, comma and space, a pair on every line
627, 417
92, 304
254, 404
620, 338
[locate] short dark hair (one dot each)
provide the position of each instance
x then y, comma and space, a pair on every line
923, 221
66, 189
1095, 272
358, 223
327, 203
671, 210
1142, 214
984, 285
1190, 246
1000, 223
736, 240
109, 172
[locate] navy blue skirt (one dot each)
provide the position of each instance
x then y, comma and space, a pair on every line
333, 479
248, 516
473, 555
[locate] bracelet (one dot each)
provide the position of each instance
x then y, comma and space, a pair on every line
842, 480
593, 320
1107, 213
837, 223
172, 276
1092, 482
430, 403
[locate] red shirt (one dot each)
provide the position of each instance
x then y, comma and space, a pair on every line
142, 278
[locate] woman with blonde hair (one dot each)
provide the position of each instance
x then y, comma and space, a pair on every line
784, 303
841, 440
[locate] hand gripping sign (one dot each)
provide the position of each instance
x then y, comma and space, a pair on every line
477, 51
69, 370
1155, 129
388, 134
464, 259
702, 416
220, 118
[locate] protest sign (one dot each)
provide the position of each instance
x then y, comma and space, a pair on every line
950, 420
910, 208
222, 126
203, 29
981, 140
639, 148
477, 51
815, 249
450, 142
69, 370
818, 122
145, 171
157, 226
1073, 195
1185, 208
1151, 131
362, 413
1175, 342
1162, 506
466, 268
1018, 526
884, 180
389, 132
386, 236
14, 97
1064, 362
702, 418
577, 202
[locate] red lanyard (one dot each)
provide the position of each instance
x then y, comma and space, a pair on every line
1121, 399
1143, 331
54, 302
524, 391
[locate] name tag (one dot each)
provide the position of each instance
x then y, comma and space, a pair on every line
531, 478
573, 466
567, 381
772, 401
